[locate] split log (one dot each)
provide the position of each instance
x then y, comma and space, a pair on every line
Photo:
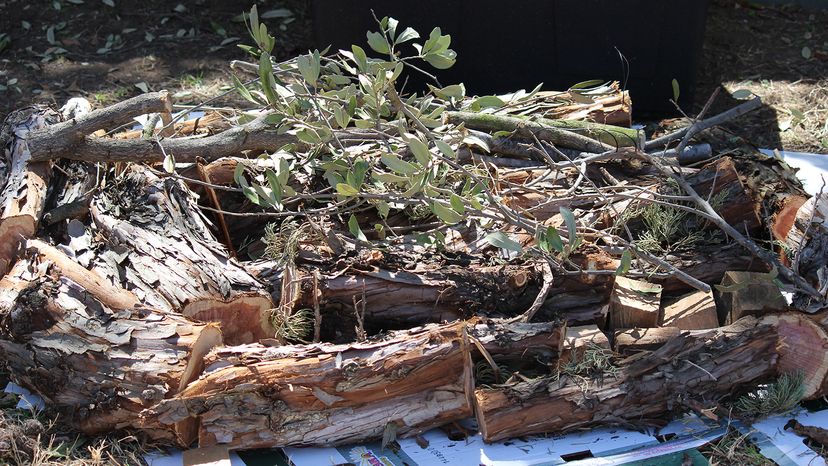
748, 293
23, 183
694, 311
394, 299
579, 339
634, 303
807, 240
633, 340
804, 343
645, 391
257, 396
98, 363
157, 245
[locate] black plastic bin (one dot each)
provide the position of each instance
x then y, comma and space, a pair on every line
505, 46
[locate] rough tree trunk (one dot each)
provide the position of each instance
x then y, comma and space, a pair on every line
725, 361
67, 336
157, 245
258, 396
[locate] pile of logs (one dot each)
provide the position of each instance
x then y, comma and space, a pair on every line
127, 302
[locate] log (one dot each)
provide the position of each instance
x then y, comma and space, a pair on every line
804, 347
633, 340
644, 391
397, 299
99, 365
748, 293
615, 136
634, 303
150, 238
493, 123
63, 138
578, 339
720, 182
23, 183
256, 396
807, 239
693, 311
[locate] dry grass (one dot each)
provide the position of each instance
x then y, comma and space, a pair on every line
734, 449
801, 107
28, 437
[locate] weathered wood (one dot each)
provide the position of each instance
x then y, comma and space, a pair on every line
395, 299
257, 396
99, 365
748, 293
174, 262
68, 137
693, 311
633, 340
701, 368
807, 239
804, 347
634, 303
23, 183
579, 339
492, 123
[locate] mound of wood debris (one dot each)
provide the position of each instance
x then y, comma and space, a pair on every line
225, 280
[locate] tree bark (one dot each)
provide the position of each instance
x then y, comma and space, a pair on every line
67, 337
645, 390
157, 245
23, 183
257, 396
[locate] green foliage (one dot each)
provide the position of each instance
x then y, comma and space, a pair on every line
777, 397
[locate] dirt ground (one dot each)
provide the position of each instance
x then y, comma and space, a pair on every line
107, 50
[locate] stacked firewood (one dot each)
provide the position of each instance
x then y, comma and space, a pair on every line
142, 297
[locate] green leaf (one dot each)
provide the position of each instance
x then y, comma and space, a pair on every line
169, 164
377, 42
238, 174
389, 178
473, 140
489, 101
455, 91
501, 240
445, 214
346, 190
276, 187
243, 91
443, 60
571, 225
353, 227
420, 151
266, 75
742, 94
624, 266
309, 67
457, 203
400, 166
676, 90
383, 209
359, 57
587, 84
406, 35
551, 240
341, 116
445, 148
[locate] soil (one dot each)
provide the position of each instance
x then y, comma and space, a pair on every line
107, 50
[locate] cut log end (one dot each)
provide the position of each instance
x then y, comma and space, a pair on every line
245, 319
